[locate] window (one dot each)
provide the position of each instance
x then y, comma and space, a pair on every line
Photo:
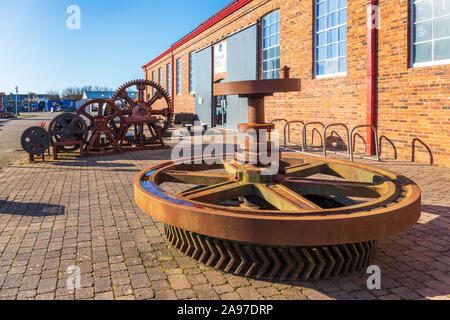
160, 76
430, 32
169, 78
179, 76
331, 37
271, 46
153, 79
192, 72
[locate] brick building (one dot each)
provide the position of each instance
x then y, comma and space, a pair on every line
339, 59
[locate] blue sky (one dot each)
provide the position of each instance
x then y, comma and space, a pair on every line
38, 52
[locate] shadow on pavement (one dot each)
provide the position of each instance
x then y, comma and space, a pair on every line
30, 209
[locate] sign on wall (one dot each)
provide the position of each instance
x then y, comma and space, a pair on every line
220, 58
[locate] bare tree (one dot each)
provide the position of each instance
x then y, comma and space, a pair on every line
76, 93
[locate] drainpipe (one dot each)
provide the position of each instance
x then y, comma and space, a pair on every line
372, 15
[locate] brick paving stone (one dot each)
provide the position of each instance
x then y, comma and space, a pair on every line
166, 295
221, 289
185, 294
179, 282
104, 296
144, 294
123, 290
230, 296
140, 281
30, 282
205, 292
161, 285
45, 296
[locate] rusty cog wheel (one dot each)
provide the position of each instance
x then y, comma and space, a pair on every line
101, 116
321, 215
152, 100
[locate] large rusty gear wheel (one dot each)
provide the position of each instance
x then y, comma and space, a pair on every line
319, 214
143, 107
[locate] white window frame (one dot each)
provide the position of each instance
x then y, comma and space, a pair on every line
412, 31
328, 75
179, 76
160, 76
169, 78
153, 79
268, 48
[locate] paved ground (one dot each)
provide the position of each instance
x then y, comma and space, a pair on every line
82, 212
11, 130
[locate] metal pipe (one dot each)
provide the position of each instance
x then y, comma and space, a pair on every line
372, 12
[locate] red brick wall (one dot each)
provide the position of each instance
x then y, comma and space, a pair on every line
412, 102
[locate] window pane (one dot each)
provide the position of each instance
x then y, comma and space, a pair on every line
422, 52
442, 27
343, 16
322, 53
331, 66
321, 68
423, 10
343, 49
333, 35
442, 49
343, 33
342, 3
343, 65
321, 9
332, 51
423, 32
321, 38
332, 20
441, 7
321, 24
332, 5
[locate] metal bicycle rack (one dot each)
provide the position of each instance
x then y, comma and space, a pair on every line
325, 139
288, 127
390, 142
413, 156
273, 122
304, 142
377, 153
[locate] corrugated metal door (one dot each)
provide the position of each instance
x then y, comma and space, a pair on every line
242, 65
203, 85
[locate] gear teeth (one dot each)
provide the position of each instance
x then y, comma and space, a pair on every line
320, 263
276, 263
197, 251
254, 260
265, 261
309, 262
243, 257
300, 264
339, 261
190, 246
330, 262
233, 257
223, 254
289, 264
272, 263
214, 254
205, 250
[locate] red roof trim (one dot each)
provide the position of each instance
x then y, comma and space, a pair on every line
204, 26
